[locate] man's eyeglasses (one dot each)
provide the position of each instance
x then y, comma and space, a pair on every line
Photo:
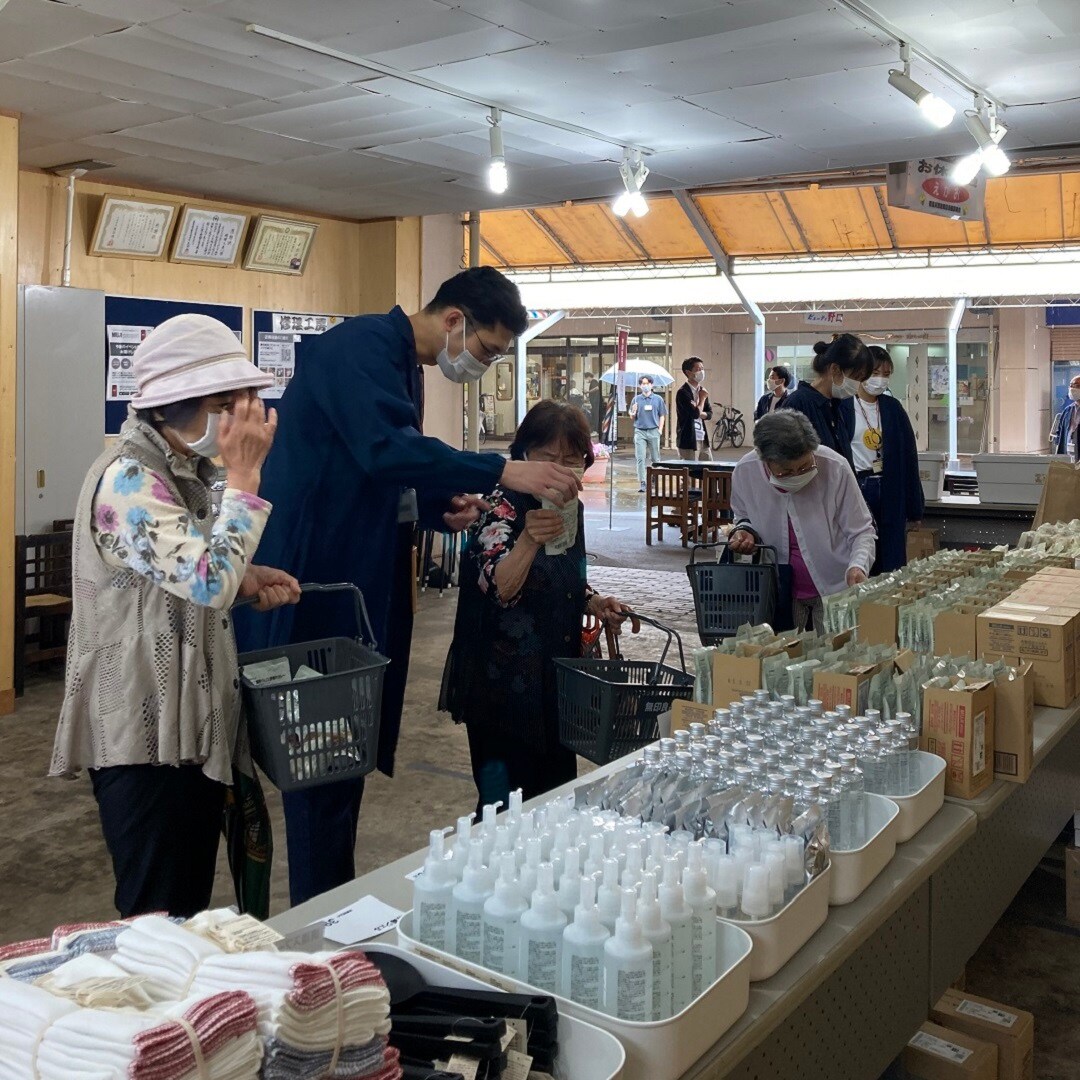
793, 472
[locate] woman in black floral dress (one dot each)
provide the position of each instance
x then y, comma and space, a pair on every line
523, 594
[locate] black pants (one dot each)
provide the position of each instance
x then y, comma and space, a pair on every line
501, 765
162, 824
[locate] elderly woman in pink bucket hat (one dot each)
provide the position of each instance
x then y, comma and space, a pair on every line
152, 698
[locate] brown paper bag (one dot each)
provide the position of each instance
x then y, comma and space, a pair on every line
1060, 500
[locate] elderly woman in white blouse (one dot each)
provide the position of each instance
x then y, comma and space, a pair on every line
802, 499
152, 700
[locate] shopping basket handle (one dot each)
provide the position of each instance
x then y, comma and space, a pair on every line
729, 556
362, 621
670, 631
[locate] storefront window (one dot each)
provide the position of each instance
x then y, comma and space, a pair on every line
972, 396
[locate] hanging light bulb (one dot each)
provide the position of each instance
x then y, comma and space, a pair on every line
633, 171
989, 156
498, 177
936, 111
966, 169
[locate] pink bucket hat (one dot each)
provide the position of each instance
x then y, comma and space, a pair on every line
191, 356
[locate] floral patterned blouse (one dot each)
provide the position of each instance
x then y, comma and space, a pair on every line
138, 525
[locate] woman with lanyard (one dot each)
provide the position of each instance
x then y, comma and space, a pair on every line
840, 366
886, 462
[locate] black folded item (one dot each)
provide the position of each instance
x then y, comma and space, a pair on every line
485, 1070
483, 1029
537, 1010
426, 1071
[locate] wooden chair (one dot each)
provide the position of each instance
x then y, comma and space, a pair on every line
42, 594
715, 504
668, 501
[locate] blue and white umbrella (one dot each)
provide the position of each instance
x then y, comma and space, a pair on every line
636, 367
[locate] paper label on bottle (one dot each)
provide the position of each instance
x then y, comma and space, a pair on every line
585, 980
494, 947
984, 1012
542, 965
631, 1002
469, 928
431, 926
658, 974
518, 1066
939, 1047
696, 957
520, 1028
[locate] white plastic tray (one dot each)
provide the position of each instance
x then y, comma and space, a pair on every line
852, 871
585, 1052
928, 798
778, 939
660, 1049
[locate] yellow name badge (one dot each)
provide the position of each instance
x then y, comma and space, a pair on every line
872, 439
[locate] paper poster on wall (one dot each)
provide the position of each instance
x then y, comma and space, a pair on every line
285, 323
276, 355
121, 342
277, 335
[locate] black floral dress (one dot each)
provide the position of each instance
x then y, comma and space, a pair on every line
500, 674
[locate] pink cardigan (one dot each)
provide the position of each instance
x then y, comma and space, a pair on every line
829, 516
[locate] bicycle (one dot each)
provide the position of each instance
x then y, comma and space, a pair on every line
730, 427
483, 429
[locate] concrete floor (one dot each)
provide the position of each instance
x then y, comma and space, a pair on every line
54, 866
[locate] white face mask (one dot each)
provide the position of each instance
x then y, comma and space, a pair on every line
876, 385
646, 391
207, 446
1074, 393
846, 389
464, 366
698, 377
792, 484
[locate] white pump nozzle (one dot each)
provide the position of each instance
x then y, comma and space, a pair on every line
515, 804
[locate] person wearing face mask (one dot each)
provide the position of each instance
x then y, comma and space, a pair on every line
840, 366
152, 702
692, 409
886, 462
801, 498
523, 591
649, 414
1068, 422
778, 382
351, 474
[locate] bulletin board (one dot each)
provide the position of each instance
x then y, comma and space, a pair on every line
277, 335
128, 319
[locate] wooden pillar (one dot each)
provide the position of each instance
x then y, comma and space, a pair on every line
9, 235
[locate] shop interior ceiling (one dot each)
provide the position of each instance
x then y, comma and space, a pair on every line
178, 94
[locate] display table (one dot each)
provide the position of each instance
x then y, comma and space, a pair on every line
861, 986
964, 521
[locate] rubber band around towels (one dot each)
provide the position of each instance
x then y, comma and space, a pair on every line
196, 1048
339, 999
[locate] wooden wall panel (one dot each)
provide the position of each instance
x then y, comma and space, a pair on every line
9, 277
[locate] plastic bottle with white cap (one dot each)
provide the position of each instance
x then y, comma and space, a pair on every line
635, 864
755, 893
702, 903
433, 893
609, 895
513, 816
470, 894
774, 862
675, 911
657, 932
581, 977
488, 827
459, 855
594, 864
529, 869
502, 917
628, 966
794, 866
727, 887
540, 944
569, 893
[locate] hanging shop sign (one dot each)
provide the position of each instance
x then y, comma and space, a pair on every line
825, 318
924, 186
622, 338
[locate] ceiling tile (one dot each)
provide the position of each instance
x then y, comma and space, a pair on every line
37, 26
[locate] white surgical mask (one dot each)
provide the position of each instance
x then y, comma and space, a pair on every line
846, 389
1074, 393
646, 390
464, 366
876, 384
207, 446
792, 484
699, 377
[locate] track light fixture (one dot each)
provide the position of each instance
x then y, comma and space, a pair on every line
498, 178
989, 156
633, 171
936, 111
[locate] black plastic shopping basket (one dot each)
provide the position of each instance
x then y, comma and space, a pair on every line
316, 731
609, 708
729, 594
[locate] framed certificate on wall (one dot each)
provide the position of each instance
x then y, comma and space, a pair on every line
209, 237
278, 245
133, 228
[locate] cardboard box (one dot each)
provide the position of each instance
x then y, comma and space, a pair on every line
733, 676
685, 713
1072, 883
1014, 713
921, 543
833, 688
956, 631
1011, 1030
1048, 641
936, 1053
958, 725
